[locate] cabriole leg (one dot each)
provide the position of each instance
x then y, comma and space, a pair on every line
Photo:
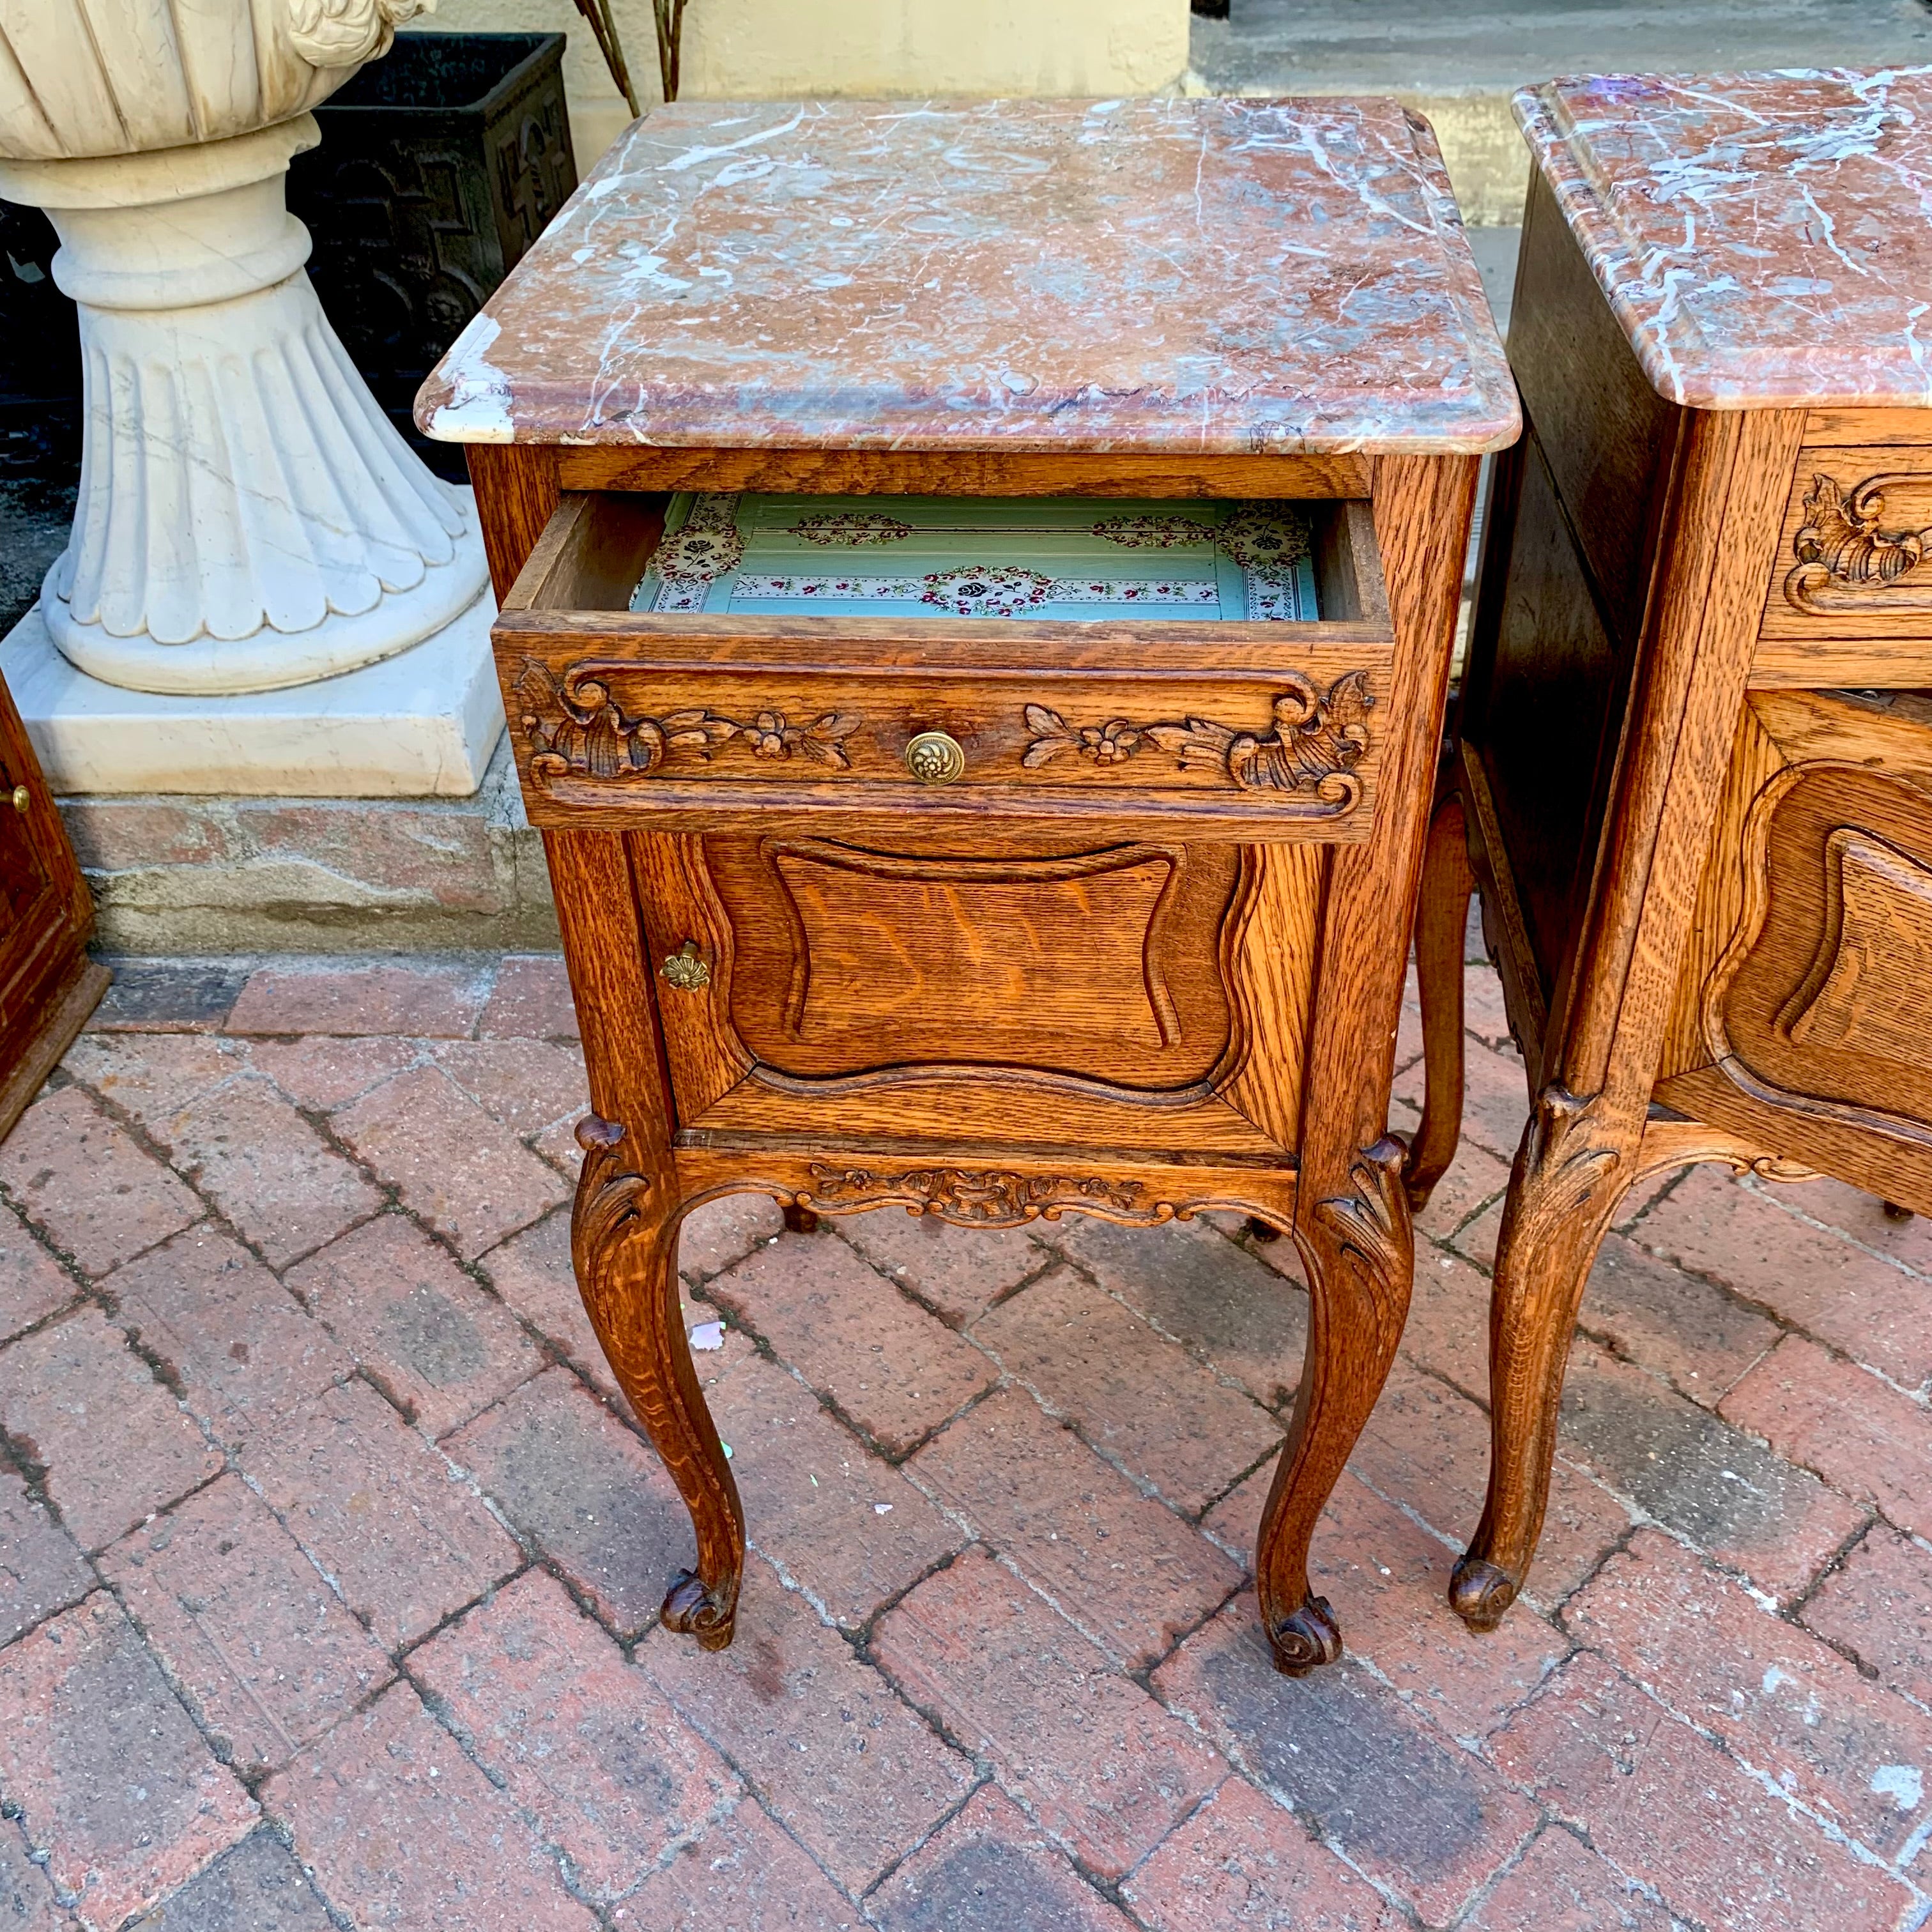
1567, 1185
1358, 1250
625, 1246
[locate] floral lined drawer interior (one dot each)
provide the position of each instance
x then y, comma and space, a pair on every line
1069, 558
694, 662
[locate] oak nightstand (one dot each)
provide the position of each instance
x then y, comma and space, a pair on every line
1694, 770
977, 585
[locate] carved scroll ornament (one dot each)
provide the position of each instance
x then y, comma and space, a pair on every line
1312, 753
996, 1198
1843, 557
578, 729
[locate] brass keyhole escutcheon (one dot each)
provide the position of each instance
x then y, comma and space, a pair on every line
685, 970
933, 757
22, 798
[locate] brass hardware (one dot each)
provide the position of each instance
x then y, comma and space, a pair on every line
685, 970
933, 757
22, 798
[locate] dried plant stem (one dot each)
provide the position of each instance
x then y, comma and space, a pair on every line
670, 40
603, 31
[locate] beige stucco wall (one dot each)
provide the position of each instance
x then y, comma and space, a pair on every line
762, 49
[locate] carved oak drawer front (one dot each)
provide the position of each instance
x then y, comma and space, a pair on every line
1824, 1000
690, 722
1855, 557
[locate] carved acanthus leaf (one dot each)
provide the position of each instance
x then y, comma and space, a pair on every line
606, 1209
1369, 1227
1312, 753
1842, 553
999, 1198
576, 730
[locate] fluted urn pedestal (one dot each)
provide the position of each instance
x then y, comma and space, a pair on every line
253, 542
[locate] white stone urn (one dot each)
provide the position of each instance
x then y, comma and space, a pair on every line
248, 519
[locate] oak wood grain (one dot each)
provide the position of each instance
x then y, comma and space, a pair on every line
1613, 993
516, 496
1126, 966
914, 472
1351, 1227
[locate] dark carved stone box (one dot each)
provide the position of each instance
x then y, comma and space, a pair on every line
440, 165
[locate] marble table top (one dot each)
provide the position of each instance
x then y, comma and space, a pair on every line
1213, 276
1766, 240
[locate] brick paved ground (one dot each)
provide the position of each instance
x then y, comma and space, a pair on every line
329, 1560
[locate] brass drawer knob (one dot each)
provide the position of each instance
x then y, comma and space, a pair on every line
933, 757
685, 970
22, 798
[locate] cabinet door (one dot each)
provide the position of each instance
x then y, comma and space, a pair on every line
47, 986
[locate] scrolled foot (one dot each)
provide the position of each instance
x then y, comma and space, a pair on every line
689, 1607
1480, 1592
1306, 1638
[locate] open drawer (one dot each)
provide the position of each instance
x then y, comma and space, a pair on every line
693, 719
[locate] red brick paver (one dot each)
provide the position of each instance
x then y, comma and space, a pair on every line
1562, 1886
265, 1168
1672, 1811
441, 1349
1122, 1566
579, 1739
530, 1000
113, 1786
896, 1371
746, 1873
380, 1512
1878, 1606
40, 1569
1104, 1768
1240, 1315
323, 997
79, 1176
1752, 1243
1375, 1779
1700, 1476
1371, 1556
1865, 1439
114, 1443
466, 1174
1780, 1700
266, 1653
235, 1343
957, 1272
404, 1831
845, 1527
990, 1869
258, 1887
289, 1340
27, 1902
843, 1763
33, 1285
1131, 1392
1245, 1864
324, 1074
584, 1491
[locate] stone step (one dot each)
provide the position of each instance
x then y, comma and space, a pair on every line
189, 875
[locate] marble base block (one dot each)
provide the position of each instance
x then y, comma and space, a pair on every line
421, 724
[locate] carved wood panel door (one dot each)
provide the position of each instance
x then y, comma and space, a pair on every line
48, 986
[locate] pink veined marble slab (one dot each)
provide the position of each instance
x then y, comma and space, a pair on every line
1215, 276
1765, 239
